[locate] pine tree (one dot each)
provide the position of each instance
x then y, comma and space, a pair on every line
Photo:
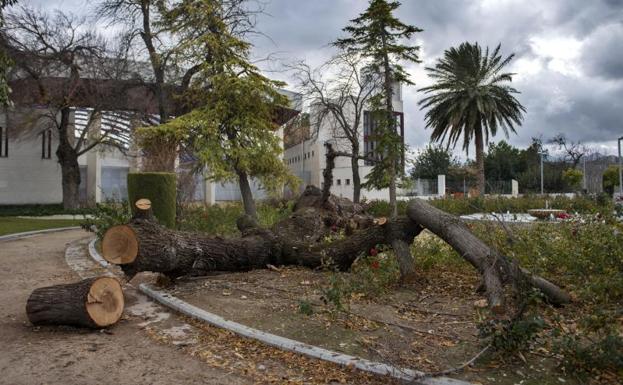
378, 35
231, 130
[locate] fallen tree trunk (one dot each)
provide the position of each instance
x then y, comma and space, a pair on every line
143, 245
496, 269
93, 303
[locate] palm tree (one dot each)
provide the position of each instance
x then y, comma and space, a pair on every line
471, 100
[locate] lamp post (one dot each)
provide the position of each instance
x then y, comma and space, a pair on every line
620, 168
542, 153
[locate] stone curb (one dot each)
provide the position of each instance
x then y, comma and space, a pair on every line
25, 234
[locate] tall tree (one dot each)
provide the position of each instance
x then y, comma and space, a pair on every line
339, 102
5, 61
376, 34
170, 52
574, 151
503, 162
471, 100
64, 60
232, 130
433, 161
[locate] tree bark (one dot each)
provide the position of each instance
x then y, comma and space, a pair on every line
246, 194
354, 164
496, 269
93, 303
68, 159
480, 159
177, 253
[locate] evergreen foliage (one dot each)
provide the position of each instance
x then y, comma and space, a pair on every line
231, 130
376, 34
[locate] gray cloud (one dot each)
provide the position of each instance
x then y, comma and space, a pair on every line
569, 54
577, 93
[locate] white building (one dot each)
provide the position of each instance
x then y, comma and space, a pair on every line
306, 157
30, 172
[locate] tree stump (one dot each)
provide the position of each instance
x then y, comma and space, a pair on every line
93, 303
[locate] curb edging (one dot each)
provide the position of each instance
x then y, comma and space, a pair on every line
25, 234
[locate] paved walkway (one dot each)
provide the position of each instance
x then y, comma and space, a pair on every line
58, 355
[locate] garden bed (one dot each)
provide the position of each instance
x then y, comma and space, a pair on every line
428, 325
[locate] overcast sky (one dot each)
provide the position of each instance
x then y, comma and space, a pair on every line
569, 54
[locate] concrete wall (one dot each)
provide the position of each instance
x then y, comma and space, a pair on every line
307, 159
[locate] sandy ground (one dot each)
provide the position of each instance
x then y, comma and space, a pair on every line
50, 355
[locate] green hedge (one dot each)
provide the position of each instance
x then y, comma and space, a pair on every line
582, 204
36, 210
160, 189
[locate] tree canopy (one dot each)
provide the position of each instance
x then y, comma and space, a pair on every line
470, 99
378, 35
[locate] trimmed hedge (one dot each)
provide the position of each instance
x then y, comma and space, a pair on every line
36, 210
583, 204
160, 189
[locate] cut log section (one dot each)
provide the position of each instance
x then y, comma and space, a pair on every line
93, 303
143, 209
120, 245
143, 204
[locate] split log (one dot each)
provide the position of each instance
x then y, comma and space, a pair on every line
146, 246
497, 270
93, 303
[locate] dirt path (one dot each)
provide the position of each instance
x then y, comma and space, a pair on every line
47, 355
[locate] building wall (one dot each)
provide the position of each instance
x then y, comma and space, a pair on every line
307, 160
26, 178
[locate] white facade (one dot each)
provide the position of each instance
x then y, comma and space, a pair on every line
307, 159
31, 174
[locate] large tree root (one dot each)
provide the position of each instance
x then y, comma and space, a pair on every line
496, 269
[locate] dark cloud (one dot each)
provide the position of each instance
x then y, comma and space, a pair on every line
577, 93
602, 53
569, 54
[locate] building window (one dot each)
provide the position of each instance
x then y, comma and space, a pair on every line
46, 144
339, 182
370, 126
4, 142
347, 182
312, 152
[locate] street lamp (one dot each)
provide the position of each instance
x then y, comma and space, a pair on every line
542, 153
620, 168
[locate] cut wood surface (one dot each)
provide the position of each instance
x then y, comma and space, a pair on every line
120, 246
94, 303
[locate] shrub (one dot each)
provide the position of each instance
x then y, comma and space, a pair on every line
221, 219
160, 189
462, 206
107, 215
611, 179
39, 210
572, 177
582, 357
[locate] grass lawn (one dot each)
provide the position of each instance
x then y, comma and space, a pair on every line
11, 225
